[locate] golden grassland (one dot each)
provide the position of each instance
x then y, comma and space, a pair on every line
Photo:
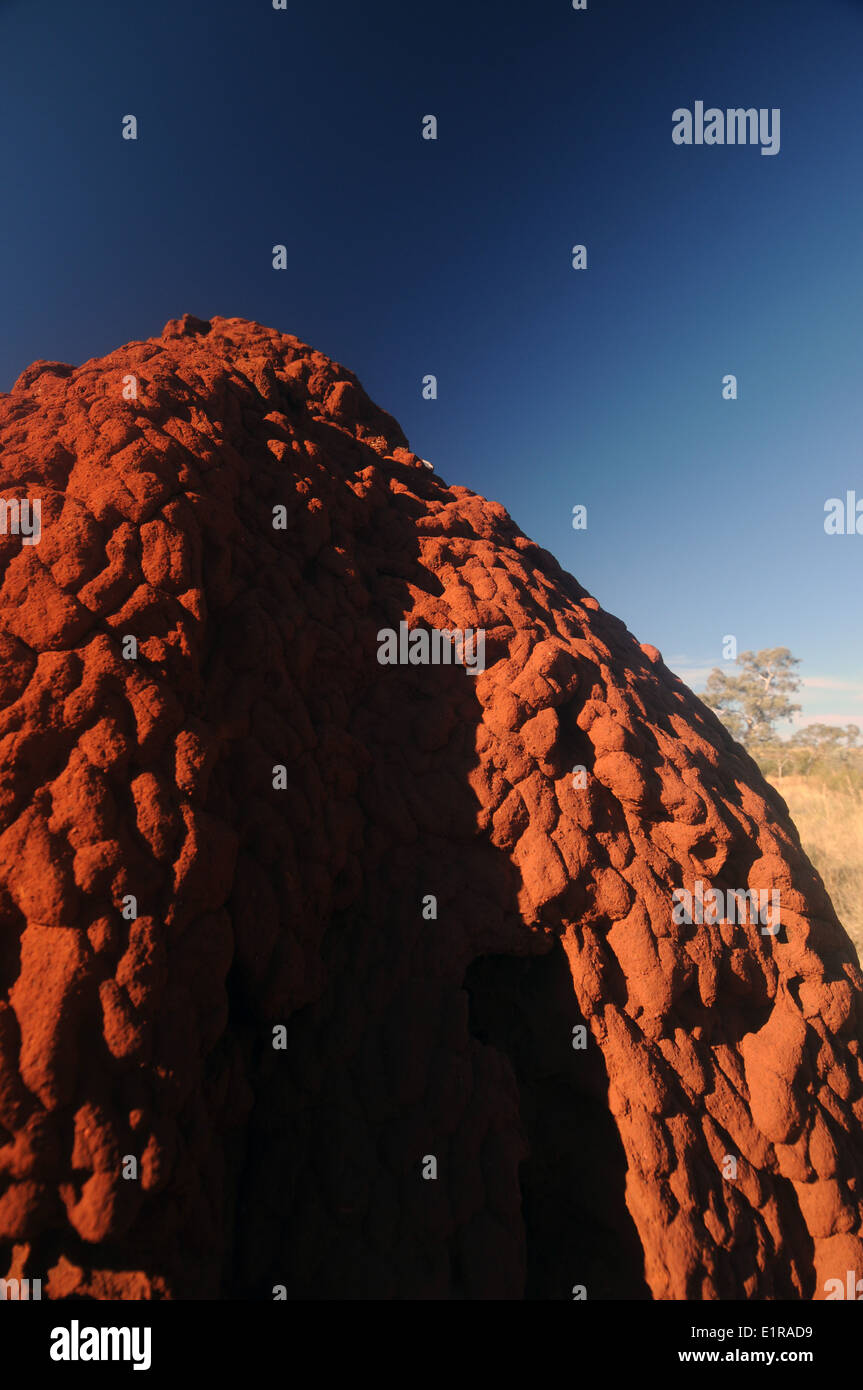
829, 820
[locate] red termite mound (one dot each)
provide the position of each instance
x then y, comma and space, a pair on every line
242, 822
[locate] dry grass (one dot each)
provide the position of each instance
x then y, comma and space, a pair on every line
830, 824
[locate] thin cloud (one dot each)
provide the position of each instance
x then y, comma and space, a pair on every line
691, 675
854, 688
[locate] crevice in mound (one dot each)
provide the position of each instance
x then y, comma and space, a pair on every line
578, 1228
798, 1245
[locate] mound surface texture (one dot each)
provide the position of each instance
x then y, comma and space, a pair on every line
168, 899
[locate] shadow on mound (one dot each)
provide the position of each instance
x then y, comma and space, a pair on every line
578, 1228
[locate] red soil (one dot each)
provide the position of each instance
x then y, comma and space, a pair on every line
303, 906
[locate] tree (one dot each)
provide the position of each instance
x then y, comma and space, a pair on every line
827, 749
827, 738
752, 703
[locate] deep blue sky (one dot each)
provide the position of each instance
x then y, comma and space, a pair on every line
257, 126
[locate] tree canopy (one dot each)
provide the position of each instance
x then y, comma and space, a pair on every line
753, 702
827, 738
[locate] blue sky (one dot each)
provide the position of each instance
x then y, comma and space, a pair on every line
556, 387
